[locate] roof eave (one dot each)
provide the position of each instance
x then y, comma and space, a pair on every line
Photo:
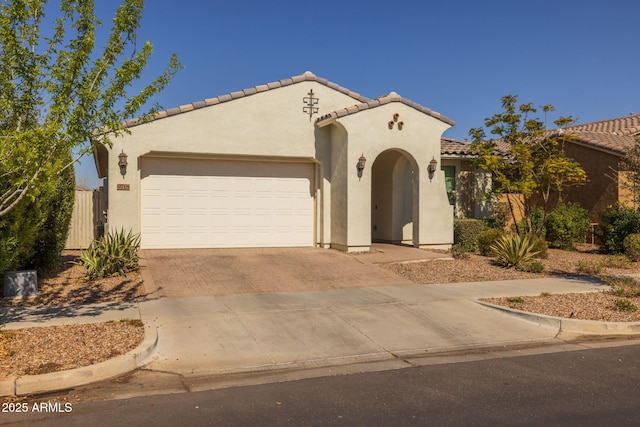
305, 77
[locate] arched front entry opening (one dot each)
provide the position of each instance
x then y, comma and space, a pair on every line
394, 198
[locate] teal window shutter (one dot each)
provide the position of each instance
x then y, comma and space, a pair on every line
450, 182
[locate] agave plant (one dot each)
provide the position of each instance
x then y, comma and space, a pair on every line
113, 254
511, 250
93, 260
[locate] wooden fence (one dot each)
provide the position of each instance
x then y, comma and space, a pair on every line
87, 220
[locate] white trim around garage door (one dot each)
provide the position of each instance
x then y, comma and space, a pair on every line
225, 203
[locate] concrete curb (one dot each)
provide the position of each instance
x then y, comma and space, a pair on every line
54, 381
576, 326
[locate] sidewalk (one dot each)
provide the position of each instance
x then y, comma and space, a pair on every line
241, 333
233, 334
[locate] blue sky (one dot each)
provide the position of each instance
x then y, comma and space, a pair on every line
457, 57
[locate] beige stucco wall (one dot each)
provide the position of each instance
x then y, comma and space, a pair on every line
272, 126
268, 125
369, 134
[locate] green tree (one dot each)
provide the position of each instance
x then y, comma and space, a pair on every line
526, 160
61, 87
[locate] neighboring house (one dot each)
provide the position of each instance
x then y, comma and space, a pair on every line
599, 147
297, 162
467, 187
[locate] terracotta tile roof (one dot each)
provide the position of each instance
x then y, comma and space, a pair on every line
307, 76
386, 99
628, 125
455, 148
614, 135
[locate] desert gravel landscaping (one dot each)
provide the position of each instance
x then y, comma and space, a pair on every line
39, 350
65, 347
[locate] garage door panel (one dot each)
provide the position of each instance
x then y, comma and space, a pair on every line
215, 203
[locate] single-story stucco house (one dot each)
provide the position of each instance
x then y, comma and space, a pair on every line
296, 162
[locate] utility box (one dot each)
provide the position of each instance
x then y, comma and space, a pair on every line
20, 284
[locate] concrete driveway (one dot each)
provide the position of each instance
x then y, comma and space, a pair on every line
219, 272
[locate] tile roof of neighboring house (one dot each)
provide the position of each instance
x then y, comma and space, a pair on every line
385, 99
306, 76
454, 147
614, 135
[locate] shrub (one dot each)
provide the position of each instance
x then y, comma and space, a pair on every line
626, 287
113, 254
567, 225
535, 216
631, 245
540, 246
617, 222
586, 266
33, 234
534, 266
19, 231
487, 238
624, 304
465, 233
512, 250
52, 237
7, 249
617, 261
458, 252
501, 215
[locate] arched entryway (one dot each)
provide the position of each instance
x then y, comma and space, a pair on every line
394, 198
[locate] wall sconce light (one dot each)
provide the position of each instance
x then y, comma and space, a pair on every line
360, 166
122, 162
432, 168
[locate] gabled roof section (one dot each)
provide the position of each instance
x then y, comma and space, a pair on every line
614, 135
386, 99
450, 147
305, 77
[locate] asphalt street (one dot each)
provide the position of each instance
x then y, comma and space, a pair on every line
593, 387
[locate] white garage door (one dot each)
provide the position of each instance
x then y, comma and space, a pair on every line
187, 203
